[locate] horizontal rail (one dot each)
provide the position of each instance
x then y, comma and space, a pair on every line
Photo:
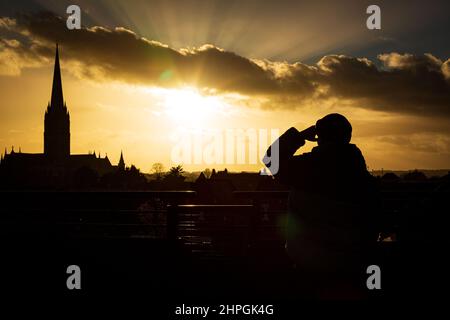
97, 192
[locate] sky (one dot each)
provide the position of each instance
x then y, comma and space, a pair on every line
157, 79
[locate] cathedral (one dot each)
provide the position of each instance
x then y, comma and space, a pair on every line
56, 167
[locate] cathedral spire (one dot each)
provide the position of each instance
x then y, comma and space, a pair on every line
57, 119
57, 93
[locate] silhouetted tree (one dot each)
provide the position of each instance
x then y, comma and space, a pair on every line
158, 170
176, 171
174, 179
207, 173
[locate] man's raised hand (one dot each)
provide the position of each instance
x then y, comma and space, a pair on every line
309, 134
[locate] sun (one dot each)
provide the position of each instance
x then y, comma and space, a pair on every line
188, 107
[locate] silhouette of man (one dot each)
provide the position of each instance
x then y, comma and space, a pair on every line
330, 227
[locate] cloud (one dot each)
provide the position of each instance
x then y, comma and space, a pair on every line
13, 57
399, 83
411, 62
405, 83
446, 69
426, 143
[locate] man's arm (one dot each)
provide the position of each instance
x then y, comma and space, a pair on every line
281, 152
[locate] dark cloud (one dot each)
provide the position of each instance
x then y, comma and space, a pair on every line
404, 83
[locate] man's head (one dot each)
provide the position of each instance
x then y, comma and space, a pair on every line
333, 129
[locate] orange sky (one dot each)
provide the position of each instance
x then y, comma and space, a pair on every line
149, 84
110, 117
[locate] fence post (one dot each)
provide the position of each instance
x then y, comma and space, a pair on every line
254, 221
172, 222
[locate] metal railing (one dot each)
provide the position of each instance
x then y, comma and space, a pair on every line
88, 214
255, 222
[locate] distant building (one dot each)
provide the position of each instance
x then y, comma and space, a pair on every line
218, 189
56, 166
415, 175
390, 177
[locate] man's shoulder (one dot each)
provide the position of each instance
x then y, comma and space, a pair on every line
304, 156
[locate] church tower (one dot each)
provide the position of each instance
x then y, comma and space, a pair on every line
57, 120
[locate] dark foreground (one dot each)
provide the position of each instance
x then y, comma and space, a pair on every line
167, 254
